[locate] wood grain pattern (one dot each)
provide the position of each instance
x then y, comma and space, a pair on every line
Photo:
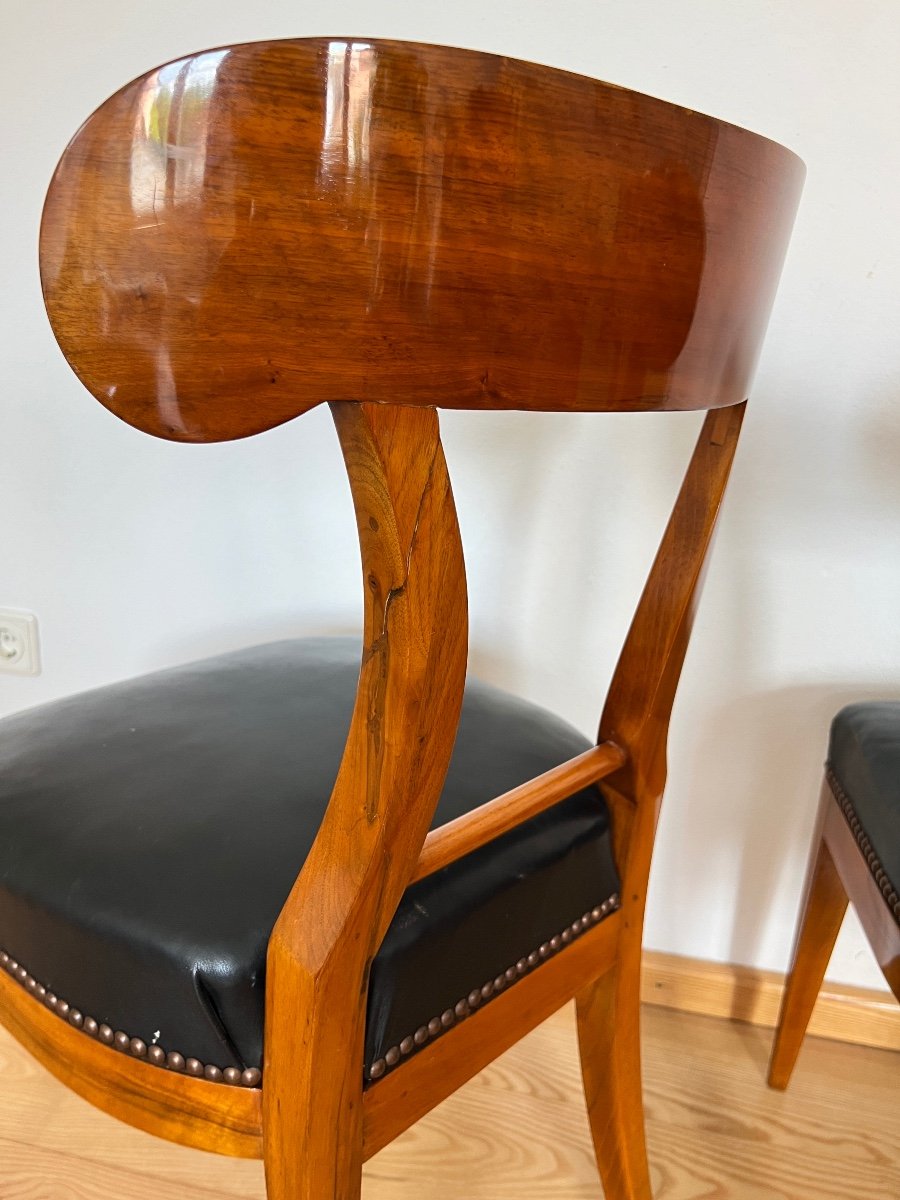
823, 914
191, 1111
861, 1016
456, 838
397, 752
636, 717
518, 1130
245, 233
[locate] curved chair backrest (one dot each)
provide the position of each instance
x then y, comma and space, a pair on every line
247, 232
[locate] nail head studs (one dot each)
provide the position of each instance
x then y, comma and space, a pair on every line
135, 1047
464, 1007
251, 1077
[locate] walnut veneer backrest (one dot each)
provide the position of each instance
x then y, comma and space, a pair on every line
247, 232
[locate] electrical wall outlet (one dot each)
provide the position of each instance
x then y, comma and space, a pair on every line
19, 653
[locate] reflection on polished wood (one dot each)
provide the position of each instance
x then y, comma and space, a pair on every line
238, 236
248, 232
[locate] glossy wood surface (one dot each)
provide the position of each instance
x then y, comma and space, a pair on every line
451, 841
247, 232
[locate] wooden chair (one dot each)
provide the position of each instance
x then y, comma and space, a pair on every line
228, 241
856, 859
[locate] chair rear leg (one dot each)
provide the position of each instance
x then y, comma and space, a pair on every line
824, 905
609, 1039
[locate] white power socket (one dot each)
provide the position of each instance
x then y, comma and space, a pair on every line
19, 652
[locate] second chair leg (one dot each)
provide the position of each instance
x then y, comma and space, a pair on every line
824, 905
609, 1040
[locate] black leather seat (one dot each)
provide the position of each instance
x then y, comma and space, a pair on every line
150, 832
864, 771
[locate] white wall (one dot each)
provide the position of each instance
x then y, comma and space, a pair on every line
137, 553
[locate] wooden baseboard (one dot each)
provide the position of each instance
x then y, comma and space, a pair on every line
844, 1014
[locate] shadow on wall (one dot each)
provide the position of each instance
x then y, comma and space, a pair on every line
880, 448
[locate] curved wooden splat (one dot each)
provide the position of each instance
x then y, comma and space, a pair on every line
396, 756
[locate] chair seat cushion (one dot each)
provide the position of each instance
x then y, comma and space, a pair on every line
150, 832
864, 771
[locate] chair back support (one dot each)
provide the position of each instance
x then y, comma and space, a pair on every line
247, 232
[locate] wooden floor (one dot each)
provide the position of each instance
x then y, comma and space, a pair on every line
519, 1129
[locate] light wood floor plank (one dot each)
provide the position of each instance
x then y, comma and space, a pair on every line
519, 1129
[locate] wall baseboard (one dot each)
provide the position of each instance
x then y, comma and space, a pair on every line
844, 1014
